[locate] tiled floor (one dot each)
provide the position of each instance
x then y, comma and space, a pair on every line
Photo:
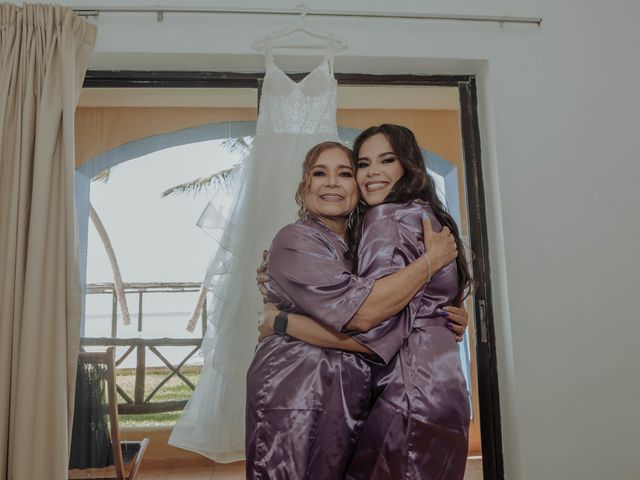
235, 471
474, 469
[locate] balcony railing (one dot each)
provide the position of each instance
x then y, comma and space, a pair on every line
141, 402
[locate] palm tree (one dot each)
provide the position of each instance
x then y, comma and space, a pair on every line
108, 247
240, 145
195, 187
198, 185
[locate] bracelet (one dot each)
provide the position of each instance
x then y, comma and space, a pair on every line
428, 265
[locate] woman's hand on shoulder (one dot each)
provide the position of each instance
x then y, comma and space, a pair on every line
440, 247
266, 320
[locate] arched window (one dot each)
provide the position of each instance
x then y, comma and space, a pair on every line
166, 153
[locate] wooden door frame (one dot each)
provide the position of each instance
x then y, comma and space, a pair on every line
488, 388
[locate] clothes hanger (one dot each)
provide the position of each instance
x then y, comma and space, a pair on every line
266, 42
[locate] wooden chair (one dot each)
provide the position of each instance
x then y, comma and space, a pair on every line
126, 455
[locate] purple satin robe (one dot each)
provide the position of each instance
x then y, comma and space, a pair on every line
305, 404
418, 424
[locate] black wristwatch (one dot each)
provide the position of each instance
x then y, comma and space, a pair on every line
280, 323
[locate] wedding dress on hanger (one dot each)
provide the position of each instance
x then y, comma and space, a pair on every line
293, 117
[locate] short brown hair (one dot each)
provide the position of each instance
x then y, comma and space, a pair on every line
310, 160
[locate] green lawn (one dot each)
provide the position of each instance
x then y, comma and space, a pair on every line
174, 389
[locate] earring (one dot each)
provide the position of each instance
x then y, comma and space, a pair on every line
351, 219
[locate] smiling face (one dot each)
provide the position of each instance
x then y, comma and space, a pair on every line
378, 169
332, 193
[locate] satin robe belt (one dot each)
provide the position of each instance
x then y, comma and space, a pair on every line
425, 322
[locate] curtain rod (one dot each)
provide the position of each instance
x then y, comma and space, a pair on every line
160, 11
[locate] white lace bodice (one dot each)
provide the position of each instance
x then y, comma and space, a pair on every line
306, 107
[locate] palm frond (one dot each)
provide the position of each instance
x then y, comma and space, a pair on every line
197, 186
103, 176
237, 145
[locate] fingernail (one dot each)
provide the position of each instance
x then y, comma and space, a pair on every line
450, 324
445, 314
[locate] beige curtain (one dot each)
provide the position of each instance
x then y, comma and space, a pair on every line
44, 53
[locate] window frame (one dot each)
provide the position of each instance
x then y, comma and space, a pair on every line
485, 346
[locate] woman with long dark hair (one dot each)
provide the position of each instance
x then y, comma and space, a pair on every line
418, 423
418, 426
306, 403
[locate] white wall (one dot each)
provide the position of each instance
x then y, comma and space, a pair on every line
559, 113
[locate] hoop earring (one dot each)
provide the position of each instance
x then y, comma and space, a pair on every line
351, 219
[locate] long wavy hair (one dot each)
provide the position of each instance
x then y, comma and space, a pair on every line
310, 160
416, 183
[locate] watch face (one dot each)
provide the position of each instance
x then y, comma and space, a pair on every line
280, 323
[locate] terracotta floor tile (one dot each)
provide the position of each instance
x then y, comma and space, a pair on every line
190, 473
235, 471
152, 475
231, 471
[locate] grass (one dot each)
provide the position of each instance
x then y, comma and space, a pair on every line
174, 389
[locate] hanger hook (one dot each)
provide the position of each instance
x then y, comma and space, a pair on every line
303, 9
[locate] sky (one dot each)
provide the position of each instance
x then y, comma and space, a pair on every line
155, 239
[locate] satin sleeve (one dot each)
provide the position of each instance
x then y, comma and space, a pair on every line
388, 244
312, 279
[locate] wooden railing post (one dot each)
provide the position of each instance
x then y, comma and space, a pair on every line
144, 405
140, 373
114, 316
140, 292
204, 317
141, 402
